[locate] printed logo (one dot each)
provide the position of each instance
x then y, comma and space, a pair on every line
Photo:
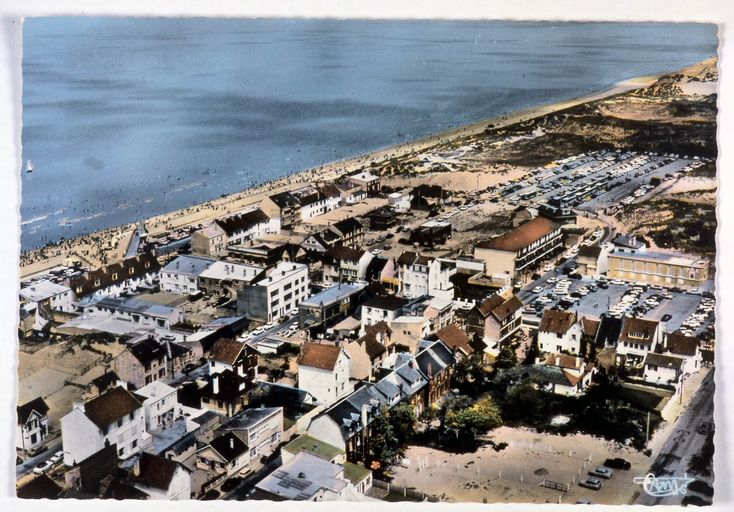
664, 485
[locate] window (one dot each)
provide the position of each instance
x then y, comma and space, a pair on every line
134, 443
161, 372
132, 416
119, 422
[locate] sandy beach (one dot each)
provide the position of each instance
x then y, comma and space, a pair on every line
110, 245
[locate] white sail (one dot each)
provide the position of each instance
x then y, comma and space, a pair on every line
29, 166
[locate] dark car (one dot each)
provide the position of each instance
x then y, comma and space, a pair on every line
575, 276
602, 285
617, 463
666, 317
190, 367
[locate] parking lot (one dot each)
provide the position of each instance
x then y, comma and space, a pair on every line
588, 298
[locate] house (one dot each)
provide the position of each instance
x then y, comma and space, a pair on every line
366, 355
106, 381
366, 181
266, 254
593, 260
247, 225
160, 405
142, 363
225, 279
638, 337
161, 478
317, 201
575, 372
663, 368
210, 240
408, 330
629, 242
518, 252
323, 371
129, 275
232, 355
351, 193
431, 233
352, 232
399, 202
322, 241
138, 313
329, 306
382, 309
687, 347
225, 392
284, 206
276, 294
562, 215
86, 477
658, 268
305, 477
436, 361
421, 275
495, 320
309, 444
114, 417
440, 312
453, 337
50, 295
38, 488
32, 425
261, 429
382, 219
560, 331
345, 265
225, 454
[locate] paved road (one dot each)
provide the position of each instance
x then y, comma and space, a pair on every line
242, 490
683, 442
29, 464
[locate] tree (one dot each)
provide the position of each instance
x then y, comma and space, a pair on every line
469, 422
507, 358
402, 419
391, 431
533, 352
469, 374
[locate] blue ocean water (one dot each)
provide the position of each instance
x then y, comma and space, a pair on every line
124, 118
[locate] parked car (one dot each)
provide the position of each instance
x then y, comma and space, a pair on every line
591, 482
188, 368
43, 467
602, 472
57, 457
617, 463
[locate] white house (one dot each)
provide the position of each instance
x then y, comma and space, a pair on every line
323, 371
56, 296
559, 331
345, 265
261, 429
161, 478
317, 201
421, 275
663, 368
225, 454
160, 406
399, 202
382, 309
137, 311
247, 225
32, 425
115, 417
637, 339
129, 275
273, 295
181, 275
566, 375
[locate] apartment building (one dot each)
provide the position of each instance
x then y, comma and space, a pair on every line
274, 294
658, 268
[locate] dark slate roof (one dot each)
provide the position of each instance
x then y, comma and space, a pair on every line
248, 418
156, 471
388, 302
374, 268
242, 221
111, 406
558, 322
609, 329
96, 467
107, 380
664, 361
589, 251
39, 488
278, 395
119, 490
347, 413
229, 446
147, 351
285, 200
231, 386
24, 411
340, 253
348, 225
678, 343
141, 264
638, 330
435, 358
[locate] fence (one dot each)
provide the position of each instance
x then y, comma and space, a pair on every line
409, 493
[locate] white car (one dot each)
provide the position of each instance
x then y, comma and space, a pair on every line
43, 467
538, 289
549, 267
375, 251
57, 457
552, 280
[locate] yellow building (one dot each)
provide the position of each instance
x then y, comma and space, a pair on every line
658, 268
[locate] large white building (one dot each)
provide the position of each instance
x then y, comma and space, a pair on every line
559, 331
276, 293
190, 274
182, 274
57, 296
160, 406
323, 371
115, 417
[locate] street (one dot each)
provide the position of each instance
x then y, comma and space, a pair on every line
29, 464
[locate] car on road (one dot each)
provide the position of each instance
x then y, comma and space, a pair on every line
617, 463
43, 467
583, 501
591, 482
538, 289
602, 472
188, 368
57, 457
376, 251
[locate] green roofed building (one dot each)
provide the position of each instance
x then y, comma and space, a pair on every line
307, 443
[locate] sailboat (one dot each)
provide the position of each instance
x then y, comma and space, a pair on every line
29, 166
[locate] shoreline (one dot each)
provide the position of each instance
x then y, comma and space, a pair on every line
209, 210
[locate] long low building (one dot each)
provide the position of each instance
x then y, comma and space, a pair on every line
658, 268
522, 249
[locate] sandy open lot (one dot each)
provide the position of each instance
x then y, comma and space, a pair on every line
515, 473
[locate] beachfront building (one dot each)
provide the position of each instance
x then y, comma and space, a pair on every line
658, 268
266, 254
283, 206
187, 275
48, 296
351, 193
560, 331
31, 425
421, 275
323, 371
517, 253
317, 201
210, 240
115, 417
130, 275
181, 275
247, 225
274, 294
366, 181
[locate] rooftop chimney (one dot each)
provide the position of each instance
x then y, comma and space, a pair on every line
215, 384
364, 414
231, 443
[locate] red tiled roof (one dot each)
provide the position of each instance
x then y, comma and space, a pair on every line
455, 338
320, 356
226, 351
638, 330
558, 322
499, 307
521, 236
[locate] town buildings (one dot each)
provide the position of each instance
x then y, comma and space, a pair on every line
275, 294
420, 275
560, 331
31, 425
657, 268
323, 371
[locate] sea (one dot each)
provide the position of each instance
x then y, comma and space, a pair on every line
126, 118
